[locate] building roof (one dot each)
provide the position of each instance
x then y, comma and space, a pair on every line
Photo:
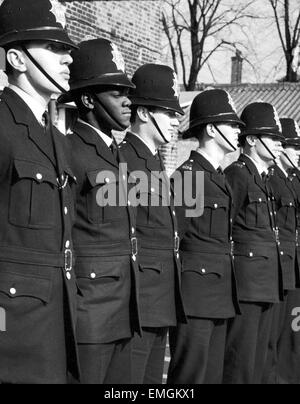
284, 96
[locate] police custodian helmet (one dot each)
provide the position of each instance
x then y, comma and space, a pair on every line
156, 86
291, 132
212, 106
97, 62
31, 20
261, 119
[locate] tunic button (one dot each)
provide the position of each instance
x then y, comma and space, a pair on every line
251, 254
152, 190
134, 258
68, 276
133, 230
203, 271
107, 180
66, 210
260, 200
216, 206
281, 253
93, 275
129, 203
68, 244
177, 256
174, 213
39, 176
13, 291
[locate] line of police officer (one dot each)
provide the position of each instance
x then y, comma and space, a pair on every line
104, 318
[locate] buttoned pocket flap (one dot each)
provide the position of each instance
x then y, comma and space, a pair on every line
257, 197
101, 177
216, 203
35, 171
287, 202
251, 252
15, 286
97, 271
205, 265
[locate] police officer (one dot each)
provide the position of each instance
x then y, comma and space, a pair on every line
104, 233
285, 205
37, 286
256, 242
288, 370
208, 281
155, 106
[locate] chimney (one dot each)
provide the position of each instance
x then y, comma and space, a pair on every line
237, 68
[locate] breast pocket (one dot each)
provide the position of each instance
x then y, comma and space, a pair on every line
32, 195
104, 198
287, 212
257, 214
216, 210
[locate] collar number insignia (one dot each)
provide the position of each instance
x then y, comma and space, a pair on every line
118, 58
59, 12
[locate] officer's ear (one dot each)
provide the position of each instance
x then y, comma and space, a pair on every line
210, 130
88, 101
251, 140
143, 115
16, 59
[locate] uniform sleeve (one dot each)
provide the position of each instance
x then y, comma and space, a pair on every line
238, 181
5, 153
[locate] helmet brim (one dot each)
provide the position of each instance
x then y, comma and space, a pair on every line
44, 34
118, 80
228, 118
170, 105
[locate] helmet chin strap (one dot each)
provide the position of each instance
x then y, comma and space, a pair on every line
268, 150
154, 121
287, 157
43, 71
224, 137
113, 121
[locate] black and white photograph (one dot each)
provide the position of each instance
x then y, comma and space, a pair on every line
149, 195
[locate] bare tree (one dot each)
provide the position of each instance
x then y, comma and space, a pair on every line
189, 24
288, 26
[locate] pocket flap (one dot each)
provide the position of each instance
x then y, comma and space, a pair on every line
151, 266
96, 271
35, 171
15, 285
250, 251
258, 197
216, 203
287, 202
101, 177
205, 264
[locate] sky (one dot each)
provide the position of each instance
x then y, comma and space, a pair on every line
264, 58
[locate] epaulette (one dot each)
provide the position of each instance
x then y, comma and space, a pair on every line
188, 166
239, 164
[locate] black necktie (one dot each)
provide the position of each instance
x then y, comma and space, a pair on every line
220, 170
114, 150
46, 119
264, 177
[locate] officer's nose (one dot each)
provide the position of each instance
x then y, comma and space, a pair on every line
67, 59
175, 122
127, 102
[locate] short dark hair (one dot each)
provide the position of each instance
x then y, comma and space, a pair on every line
199, 132
242, 141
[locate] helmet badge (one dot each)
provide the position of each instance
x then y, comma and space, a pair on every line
59, 12
175, 86
231, 102
118, 58
277, 119
297, 129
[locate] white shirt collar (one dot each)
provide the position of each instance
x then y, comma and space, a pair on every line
108, 140
150, 147
213, 162
260, 168
37, 109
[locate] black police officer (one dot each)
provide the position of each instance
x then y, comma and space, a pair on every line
155, 106
208, 281
104, 233
288, 369
256, 246
37, 286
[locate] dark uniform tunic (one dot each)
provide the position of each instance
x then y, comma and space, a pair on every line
285, 207
159, 263
289, 344
106, 246
208, 280
37, 284
258, 273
